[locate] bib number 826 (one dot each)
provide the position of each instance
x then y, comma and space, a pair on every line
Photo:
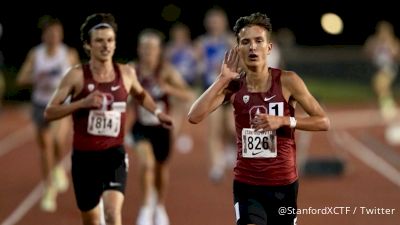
257, 142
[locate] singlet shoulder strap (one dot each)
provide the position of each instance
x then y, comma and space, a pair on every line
276, 76
117, 72
86, 71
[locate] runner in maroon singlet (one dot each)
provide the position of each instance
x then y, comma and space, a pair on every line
99, 91
264, 100
153, 143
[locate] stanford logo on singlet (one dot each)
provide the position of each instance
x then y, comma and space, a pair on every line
104, 122
258, 144
90, 87
259, 109
246, 99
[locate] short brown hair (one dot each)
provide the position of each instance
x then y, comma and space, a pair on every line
96, 19
257, 18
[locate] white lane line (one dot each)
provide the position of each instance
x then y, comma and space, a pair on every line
368, 156
16, 139
32, 198
356, 118
25, 205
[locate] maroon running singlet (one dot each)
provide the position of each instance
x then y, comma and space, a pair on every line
100, 129
264, 158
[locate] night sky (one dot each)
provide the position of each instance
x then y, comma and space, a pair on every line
20, 30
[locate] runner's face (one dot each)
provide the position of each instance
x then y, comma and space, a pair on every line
53, 35
149, 49
254, 45
102, 44
180, 35
216, 23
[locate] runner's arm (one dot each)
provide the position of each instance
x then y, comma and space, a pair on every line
56, 108
215, 95
209, 101
175, 85
145, 99
24, 76
317, 119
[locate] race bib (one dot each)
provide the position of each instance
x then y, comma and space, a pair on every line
258, 144
104, 123
148, 118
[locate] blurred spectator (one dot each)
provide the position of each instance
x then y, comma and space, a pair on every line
44, 67
211, 48
275, 57
153, 141
383, 49
285, 38
181, 53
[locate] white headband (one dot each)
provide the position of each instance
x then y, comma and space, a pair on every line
104, 25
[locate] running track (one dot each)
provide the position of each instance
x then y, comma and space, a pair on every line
371, 178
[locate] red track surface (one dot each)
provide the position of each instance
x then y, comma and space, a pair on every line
192, 198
